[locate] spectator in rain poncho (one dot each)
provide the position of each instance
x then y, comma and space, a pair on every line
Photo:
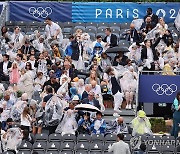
177, 21
53, 113
98, 126
12, 139
141, 124
68, 123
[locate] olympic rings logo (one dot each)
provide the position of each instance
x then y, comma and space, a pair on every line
164, 89
40, 12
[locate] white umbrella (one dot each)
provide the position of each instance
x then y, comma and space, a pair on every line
87, 107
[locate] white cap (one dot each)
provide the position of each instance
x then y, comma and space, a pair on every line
24, 96
75, 98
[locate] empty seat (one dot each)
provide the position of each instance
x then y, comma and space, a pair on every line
41, 29
101, 29
101, 34
82, 146
53, 146
82, 152
97, 138
168, 140
39, 152
123, 43
32, 29
91, 29
107, 146
115, 29
83, 138
24, 152
125, 25
21, 23
67, 30
67, 146
117, 24
79, 24
68, 24
52, 152
153, 149
39, 146
104, 24
8, 152
41, 137
91, 24
55, 137
10, 23
171, 24
98, 147
25, 146
69, 138
67, 152
168, 149
110, 138
79, 27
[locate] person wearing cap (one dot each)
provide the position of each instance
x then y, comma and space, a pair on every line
75, 99
141, 124
98, 126
52, 82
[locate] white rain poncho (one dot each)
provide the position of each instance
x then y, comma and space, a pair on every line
68, 124
53, 111
12, 139
17, 109
177, 21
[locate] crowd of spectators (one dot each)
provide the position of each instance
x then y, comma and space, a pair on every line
43, 76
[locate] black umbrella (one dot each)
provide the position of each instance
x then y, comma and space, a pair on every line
117, 49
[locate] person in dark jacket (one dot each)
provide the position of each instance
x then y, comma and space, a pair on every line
4, 68
91, 100
110, 38
149, 55
154, 18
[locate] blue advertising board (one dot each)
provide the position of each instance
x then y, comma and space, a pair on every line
89, 11
38, 11
158, 88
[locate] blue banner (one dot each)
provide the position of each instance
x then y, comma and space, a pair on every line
38, 11
158, 88
121, 12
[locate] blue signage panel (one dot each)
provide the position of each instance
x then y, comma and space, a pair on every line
158, 88
121, 12
38, 11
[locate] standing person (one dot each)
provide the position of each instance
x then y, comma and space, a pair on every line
112, 81
154, 17
26, 119
110, 38
14, 73
53, 31
19, 61
26, 83
120, 147
4, 66
176, 116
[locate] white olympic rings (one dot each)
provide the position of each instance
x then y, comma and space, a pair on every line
40, 12
164, 89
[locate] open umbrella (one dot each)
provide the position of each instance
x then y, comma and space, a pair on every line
87, 107
117, 49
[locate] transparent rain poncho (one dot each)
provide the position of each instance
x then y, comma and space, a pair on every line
12, 139
53, 111
17, 109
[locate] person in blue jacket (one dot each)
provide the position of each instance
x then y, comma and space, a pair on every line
176, 116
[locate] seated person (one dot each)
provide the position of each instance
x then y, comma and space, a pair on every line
118, 127
84, 124
99, 125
